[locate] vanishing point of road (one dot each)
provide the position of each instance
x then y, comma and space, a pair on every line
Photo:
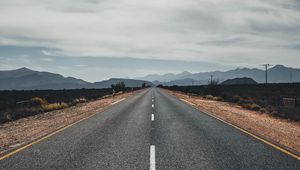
150, 130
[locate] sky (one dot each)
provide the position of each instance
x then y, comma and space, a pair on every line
99, 39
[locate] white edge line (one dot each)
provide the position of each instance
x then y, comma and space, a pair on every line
188, 102
270, 143
152, 157
118, 101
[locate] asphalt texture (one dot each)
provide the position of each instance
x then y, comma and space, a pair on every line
121, 136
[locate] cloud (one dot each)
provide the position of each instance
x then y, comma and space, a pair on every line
50, 53
227, 41
95, 68
218, 31
47, 59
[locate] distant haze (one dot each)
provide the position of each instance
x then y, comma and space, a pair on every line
26, 79
276, 74
96, 39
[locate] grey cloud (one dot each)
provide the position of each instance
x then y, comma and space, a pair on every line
294, 46
222, 32
287, 4
95, 68
224, 42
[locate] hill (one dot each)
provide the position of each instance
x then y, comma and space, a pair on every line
244, 80
26, 79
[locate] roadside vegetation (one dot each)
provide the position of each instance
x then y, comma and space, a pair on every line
17, 104
278, 100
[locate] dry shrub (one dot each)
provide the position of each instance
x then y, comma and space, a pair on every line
264, 110
218, 98
251, 106
245, 101
54, 106
106, 96
79, 100
235, 99
8, 116
209, 97
37, 101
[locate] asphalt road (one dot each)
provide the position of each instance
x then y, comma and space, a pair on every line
128, 136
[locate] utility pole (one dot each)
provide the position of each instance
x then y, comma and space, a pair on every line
266, 67
211, 78
291, 77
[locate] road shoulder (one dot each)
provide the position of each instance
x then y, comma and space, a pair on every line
18, 133
281, 132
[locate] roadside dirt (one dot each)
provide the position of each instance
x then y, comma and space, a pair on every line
282, 131
16, 133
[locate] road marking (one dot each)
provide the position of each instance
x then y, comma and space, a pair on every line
152, 105
152, 100
188, 102
251, 134
49, 135
152, 157
117, 101
43, 138
152, 117
259, 138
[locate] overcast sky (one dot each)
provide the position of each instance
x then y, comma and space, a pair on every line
82, 38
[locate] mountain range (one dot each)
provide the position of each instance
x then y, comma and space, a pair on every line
26, 79
276, 74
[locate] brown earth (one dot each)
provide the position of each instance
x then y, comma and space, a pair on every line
282, 131
19, 132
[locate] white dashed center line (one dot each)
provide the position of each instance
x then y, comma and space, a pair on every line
152, 105
152, 157
152, 117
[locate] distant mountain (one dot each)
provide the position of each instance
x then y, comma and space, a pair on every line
166, 77
280, 73
128, 83
243, 80
276, 74
26, 79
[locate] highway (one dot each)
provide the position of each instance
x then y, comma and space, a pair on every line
150, 130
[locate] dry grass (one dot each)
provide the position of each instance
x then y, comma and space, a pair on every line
251, 106
54, 106
37, 101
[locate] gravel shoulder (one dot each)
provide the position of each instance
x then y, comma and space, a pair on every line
283, 132
22, 131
